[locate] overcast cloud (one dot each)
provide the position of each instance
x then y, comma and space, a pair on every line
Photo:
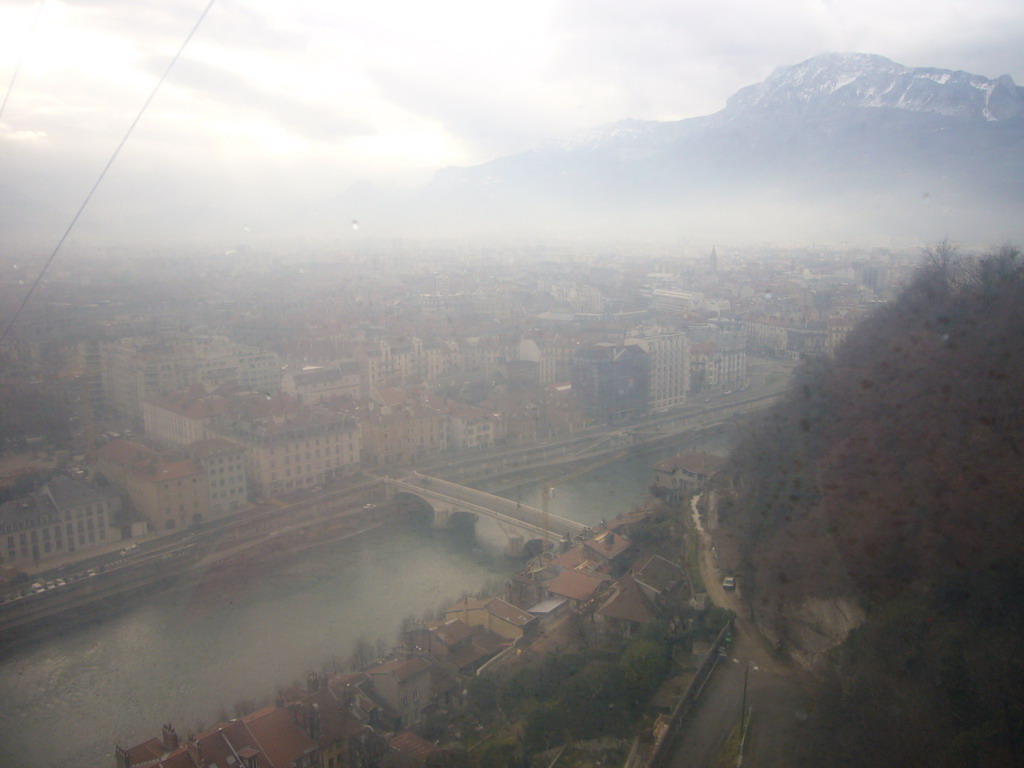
313, 97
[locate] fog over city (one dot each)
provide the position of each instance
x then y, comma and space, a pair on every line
549, 384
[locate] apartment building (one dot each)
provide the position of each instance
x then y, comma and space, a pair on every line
612, 382
669, 354
300, 449
315, 385
169, 490
223, 462
470, 427
402, 434
718, 358
64, 516
181, 418
138, 369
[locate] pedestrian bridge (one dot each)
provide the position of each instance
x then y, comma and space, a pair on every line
522, 525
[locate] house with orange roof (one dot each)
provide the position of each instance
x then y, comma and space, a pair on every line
577, 587
609, 549
627, 608
267, 738
343, 735
455, 645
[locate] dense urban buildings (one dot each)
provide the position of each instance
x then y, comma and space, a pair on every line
194, 411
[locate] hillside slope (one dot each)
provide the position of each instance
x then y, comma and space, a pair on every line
888, 486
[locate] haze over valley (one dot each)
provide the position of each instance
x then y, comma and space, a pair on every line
559, 384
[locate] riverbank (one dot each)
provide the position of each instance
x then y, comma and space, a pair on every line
98, 597
185, 651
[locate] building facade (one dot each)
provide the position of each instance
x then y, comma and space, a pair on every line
612, 382
298, 450
63, 517
223, 463
137, 369
170, 491
669, 353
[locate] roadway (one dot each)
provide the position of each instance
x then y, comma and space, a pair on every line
501, 509
776, 696
117, 562
768, 380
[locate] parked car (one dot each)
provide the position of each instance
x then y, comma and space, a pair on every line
729, 582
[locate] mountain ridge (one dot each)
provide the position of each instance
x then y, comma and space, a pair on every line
838, 136
837, 77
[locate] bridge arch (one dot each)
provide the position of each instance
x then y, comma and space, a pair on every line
433, 513
416, 508
526, 527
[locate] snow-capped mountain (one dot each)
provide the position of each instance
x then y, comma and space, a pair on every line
860, 80
851, 138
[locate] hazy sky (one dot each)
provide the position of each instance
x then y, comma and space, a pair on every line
314, 96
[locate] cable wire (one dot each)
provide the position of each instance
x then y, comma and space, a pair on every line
103, 173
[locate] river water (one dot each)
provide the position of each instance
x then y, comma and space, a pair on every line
187, 655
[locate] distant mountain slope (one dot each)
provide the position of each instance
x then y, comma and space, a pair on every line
851, 137
865, 81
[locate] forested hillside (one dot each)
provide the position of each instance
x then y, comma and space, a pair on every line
889, 490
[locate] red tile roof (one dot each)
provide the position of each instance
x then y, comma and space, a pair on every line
608, 545
452, 632
571, 559
125, 452
146, 462
408, 743
509, 612
575, 585
627, 603
280, 739
145, 752
401, 669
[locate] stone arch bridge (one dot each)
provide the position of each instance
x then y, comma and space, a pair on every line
526, 527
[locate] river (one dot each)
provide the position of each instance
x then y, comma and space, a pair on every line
186, 655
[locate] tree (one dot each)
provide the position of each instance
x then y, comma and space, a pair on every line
644, 665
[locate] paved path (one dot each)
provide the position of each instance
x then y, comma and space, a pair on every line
776, 690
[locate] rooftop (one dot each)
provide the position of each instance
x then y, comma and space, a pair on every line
576, 585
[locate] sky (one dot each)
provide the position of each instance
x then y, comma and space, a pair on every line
274, 102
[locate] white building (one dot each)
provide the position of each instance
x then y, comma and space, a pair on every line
669, 353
